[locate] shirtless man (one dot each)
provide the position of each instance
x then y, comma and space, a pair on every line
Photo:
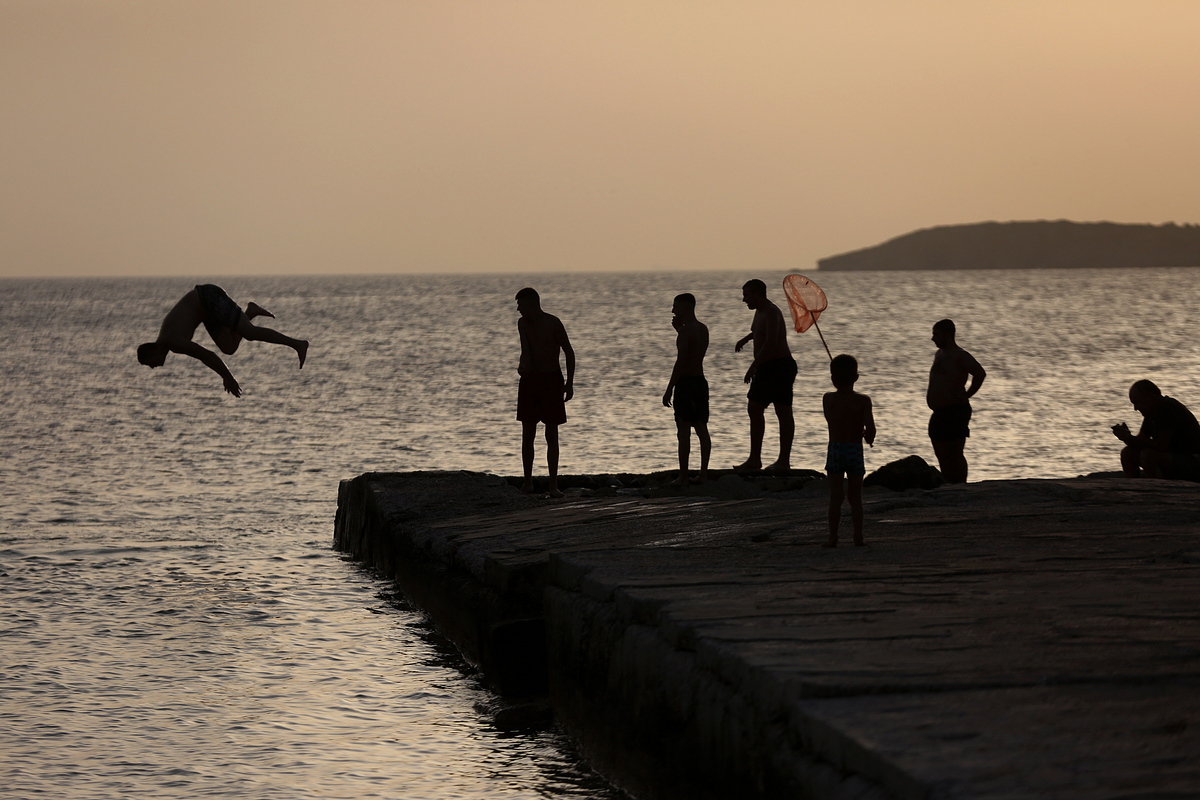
226, 324
689, 386
542, 393
948, 398
1168, 443
770, 376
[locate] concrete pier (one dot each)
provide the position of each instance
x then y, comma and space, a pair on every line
997, 640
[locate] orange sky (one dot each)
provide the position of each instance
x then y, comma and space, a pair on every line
204, 137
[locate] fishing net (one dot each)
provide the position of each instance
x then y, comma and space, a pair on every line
806, 301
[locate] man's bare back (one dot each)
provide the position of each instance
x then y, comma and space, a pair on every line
543, 337
691, 345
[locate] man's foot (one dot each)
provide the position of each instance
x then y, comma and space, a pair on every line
255, 310
555, 492
749, 465
682, 480
302, 351
830, 543
701, 478
859, 543
779, 466
527, 486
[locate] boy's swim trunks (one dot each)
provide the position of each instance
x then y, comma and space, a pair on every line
219, 311
845, 457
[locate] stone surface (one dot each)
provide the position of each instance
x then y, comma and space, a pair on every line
1001, 639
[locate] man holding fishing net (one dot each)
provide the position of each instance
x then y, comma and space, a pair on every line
770, 376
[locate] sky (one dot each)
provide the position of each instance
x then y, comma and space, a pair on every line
256, 137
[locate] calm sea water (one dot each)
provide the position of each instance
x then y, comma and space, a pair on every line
174, 621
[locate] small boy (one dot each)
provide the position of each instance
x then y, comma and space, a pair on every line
850, 422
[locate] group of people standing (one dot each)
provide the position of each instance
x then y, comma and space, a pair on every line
1166, 446
543, 392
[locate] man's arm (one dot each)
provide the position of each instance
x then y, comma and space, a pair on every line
210, 360
869, 428
742, 342
976, 372
682, 348
569, 356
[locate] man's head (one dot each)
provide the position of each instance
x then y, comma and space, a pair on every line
943, 332
152, 354
528, 300
684, 306
754, 293
843, 371
1145, 396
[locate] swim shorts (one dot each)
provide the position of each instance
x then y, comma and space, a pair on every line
950, 423
690, 400
772, 383
219, 311
540, 398
845, 457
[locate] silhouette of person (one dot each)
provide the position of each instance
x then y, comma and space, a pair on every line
542, 394
1168, 443
226, 324
687, 389
851, 422
770, 376
948, 397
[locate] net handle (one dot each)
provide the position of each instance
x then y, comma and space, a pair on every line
818, 327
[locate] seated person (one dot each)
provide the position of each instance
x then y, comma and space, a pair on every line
1168, 443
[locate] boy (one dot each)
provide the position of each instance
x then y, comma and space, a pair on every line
688, 388
227, 324
850, 423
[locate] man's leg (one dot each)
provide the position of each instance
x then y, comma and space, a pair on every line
787, 432
255, 333
951, 459
683, 432
528, 434
705, 450
1131, 461
552, 458
758, 426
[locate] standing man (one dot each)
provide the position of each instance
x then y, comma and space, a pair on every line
948, 397
770, 376
1168, 443
542, 394
689, 386
227, 324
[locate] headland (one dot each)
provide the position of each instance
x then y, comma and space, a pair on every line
994, 640
1040, 244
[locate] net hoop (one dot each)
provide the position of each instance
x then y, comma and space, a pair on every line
806, 301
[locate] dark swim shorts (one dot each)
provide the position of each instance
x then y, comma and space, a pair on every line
219, 311
690, 400
772, 383
950, 423
540, 398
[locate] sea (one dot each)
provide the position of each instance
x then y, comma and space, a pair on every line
174, 621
